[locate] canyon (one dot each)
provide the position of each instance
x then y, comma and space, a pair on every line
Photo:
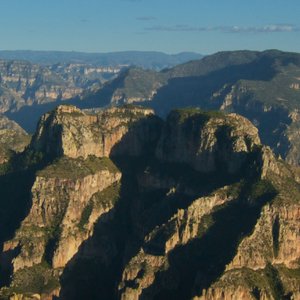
118, 203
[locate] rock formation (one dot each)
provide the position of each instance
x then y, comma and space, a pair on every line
69, 131
127, 206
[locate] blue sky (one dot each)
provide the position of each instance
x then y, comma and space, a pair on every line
171, 26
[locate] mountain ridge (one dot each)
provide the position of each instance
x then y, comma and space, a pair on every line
262, 86
108, 199
146, 59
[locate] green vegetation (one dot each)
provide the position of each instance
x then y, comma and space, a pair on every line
206, 222
139, 83
37, 279
108, 196
13, 140
86, 213
52, 236
267, 280
260, 189
71, 168
276, 92
290, 273
73, 114
104, 199
132, 106
182, 114
127, 111
255, 280
274, 282
289, 189
235, 189
27, 160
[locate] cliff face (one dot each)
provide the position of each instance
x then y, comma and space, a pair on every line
140, 273
238, 242
278, 124
62, 193
196, 208
58, 204
73, 133
206, 141
266, 263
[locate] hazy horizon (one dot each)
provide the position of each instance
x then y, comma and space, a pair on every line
128, 51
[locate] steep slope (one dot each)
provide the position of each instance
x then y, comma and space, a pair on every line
244, 221
12, 138
73, 183
122, 205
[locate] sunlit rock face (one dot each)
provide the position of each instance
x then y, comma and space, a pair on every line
193, 207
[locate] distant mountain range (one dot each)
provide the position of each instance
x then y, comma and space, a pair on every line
144, 59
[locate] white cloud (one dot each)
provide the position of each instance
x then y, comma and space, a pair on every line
230, 29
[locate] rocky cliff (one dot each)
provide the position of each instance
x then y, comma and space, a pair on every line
71, 132
62, 206
204, 141
124, 205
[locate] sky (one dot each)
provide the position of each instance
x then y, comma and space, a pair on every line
171, 26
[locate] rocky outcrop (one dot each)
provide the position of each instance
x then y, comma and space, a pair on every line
61, 209
275, 239
207, 142
230, 293
184, 226
248, 284
159, 267
278, 125
73, 133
